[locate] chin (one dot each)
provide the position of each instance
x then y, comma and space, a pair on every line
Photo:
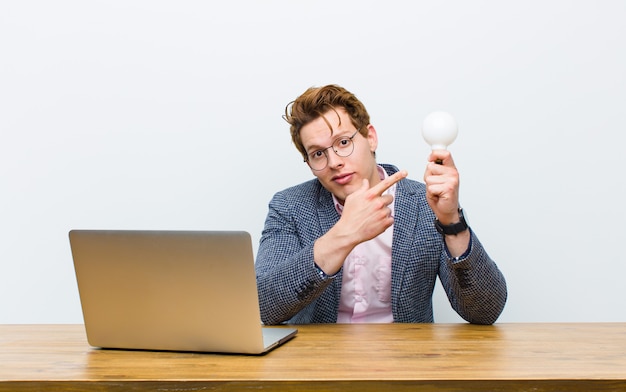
342, 193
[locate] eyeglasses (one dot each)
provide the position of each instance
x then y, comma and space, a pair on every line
343, 147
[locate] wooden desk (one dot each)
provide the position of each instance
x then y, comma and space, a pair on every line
398, 357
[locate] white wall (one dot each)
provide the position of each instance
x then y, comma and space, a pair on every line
167, 115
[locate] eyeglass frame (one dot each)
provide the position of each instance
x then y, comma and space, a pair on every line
324, 150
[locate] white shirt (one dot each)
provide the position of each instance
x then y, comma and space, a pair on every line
366, 284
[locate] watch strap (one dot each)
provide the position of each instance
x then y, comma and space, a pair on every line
454, 228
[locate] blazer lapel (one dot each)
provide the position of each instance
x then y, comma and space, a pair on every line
326, 211
405, 223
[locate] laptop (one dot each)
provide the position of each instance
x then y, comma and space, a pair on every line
171, 291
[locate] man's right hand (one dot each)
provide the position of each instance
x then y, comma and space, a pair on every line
366, 214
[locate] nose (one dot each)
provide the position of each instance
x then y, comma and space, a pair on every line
334, 160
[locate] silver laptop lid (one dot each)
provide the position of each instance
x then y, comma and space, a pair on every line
168, 290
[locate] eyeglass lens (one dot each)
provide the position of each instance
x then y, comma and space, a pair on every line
343, 147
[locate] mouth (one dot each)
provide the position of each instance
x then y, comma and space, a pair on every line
343, 179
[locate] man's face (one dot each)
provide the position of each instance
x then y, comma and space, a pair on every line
342, 175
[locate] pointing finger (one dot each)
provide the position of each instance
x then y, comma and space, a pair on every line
385, 184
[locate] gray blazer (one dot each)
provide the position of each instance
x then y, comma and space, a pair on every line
292, 290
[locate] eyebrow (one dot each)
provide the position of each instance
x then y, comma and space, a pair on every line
344, 134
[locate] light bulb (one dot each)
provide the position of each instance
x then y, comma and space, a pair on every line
439, 130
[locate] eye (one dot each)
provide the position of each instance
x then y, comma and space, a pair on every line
344, 142
316, 155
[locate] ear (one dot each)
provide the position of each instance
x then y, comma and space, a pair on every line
372, 137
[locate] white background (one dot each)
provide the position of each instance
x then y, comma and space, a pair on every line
167, 115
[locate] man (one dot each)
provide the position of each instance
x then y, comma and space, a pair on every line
361, 242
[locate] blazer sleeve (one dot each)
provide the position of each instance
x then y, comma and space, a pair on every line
474, 285
287, 278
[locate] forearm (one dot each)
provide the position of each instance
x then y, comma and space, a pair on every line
458, 244
331, 250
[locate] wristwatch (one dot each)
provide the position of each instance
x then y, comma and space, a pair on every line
454, 228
